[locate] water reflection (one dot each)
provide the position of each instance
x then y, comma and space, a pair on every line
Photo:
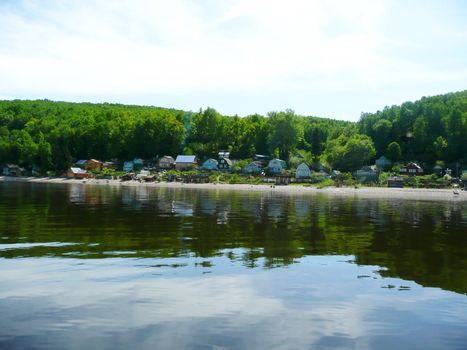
130, 267
416, 240
181, 308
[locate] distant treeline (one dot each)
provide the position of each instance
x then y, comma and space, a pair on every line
51, 135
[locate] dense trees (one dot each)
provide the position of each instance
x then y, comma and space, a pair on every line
51, 135
429, 130
350, 153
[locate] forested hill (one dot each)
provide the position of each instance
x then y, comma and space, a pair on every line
428, 130
52, 135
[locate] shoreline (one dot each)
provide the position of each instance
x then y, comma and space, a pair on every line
361, 192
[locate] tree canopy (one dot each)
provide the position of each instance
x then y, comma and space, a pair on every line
51, 135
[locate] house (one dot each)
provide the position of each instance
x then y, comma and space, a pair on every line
166, 162
320, 167
13, 170
185, 162
77, 173
263, 159
275, 166
303, 171
395, 181
81, 163
383, 162
128, 166
138, 164
253, 168
366, 174
110, 165
210, 164
411, 169
225, 164
93, 164
223, 154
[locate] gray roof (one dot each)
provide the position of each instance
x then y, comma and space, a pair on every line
185, 159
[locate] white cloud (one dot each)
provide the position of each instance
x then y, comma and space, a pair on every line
179, 48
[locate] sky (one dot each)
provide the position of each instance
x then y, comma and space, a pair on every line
327, 58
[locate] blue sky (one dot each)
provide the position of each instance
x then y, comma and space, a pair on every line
330, 58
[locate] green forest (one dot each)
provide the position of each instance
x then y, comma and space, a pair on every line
51, 135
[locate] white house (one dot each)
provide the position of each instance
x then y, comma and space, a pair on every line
303, 171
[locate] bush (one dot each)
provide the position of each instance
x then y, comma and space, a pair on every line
326, 183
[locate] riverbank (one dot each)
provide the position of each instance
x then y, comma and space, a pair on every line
362, 192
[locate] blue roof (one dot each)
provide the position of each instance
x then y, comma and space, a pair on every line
185, 159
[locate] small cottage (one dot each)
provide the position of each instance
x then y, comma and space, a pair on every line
275, 166
13, 170
77, 173
263, 159
396, 181
383, 162
210, 164
253, 168
93, 164
366, 174
303, 171
166, 162
185, 162
110, 165
411, 169
225, 164
128, 166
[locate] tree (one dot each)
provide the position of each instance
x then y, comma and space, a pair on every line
284, 134
393, 151
381, 131
350, 153
440, 145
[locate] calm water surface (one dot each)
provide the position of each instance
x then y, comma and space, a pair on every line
85, 267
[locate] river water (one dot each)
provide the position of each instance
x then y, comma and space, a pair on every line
100, 267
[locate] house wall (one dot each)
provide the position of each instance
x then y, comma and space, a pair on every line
184, 166
166, 163
90, 165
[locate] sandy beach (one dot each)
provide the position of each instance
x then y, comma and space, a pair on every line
361, 192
